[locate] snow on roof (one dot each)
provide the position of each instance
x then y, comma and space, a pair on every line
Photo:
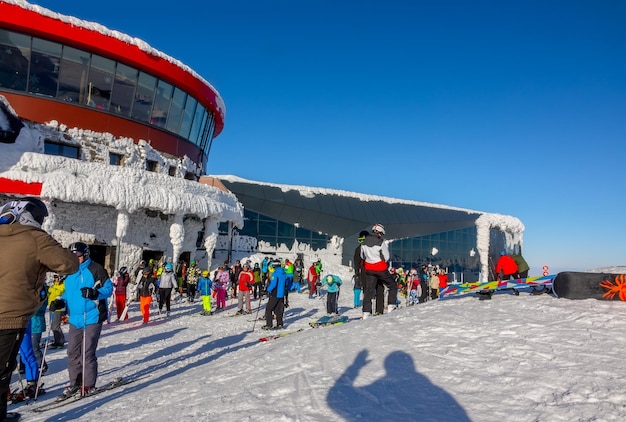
310, 192
124, 188
142, 45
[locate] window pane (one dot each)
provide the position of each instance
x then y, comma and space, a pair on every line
198, 123
176, 110
14, 58
73, 74
100, 82
144, 97
190, 111
123, 89
161, 104
44, 67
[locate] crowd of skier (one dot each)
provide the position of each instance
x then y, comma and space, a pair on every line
80, 294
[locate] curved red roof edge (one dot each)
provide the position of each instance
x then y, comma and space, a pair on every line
17, 18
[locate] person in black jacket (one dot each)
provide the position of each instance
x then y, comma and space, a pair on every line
146, 288
359, 273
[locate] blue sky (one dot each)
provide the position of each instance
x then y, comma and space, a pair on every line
516, 108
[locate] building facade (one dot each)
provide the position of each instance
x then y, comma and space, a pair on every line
112, 134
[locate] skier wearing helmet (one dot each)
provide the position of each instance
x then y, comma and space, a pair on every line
375, 255
28, 254
167, 282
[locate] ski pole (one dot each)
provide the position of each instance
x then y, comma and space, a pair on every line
84, 353
256, 317
43, 361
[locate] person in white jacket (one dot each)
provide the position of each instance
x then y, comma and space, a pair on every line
167, 283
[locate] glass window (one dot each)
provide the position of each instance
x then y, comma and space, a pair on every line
100, 82
198, 124
151, 165
44, 67
124, 86
176, 110
51, 148
115, 159
144, 97
72, 75
14, 59
286, 229
267, 228
161, 104
190, 111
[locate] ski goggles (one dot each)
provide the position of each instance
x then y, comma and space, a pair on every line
8, 217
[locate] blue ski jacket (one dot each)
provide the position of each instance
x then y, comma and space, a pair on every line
205, 285
278, 281
81, 310
332, 283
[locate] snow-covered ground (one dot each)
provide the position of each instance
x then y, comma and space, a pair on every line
524, 358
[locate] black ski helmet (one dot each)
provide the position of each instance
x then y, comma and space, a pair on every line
80, 249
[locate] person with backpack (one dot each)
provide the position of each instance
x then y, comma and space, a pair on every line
121, 284
85, 296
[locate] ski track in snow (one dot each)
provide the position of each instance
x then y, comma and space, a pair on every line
526, 358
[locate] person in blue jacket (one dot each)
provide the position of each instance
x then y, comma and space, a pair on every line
332, 283
85, 297
205, 286
276, 292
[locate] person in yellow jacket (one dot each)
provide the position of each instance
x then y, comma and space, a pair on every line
56, 291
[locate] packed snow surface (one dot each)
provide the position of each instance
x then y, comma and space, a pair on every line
513, 358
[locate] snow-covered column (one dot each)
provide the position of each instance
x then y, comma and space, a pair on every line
123, 220
512, 228
177, 236
483, 225
210, 238
50, 220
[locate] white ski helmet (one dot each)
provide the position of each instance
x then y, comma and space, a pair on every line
378, 228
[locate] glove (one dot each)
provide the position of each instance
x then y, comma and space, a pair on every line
318, 284
89, 293
57, 305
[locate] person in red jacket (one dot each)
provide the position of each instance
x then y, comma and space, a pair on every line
311, 278
443, 279
245, 281
505, 267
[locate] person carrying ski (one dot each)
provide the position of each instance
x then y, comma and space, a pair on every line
85, 296
332, 283
167, 283
375, 254
29, 253
276, 292
204, 287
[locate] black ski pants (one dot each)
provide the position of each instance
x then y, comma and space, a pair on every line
375, 283
10, 341
274, 305
165, 298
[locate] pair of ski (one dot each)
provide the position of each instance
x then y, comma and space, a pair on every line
322, 322
515, 284
62, 401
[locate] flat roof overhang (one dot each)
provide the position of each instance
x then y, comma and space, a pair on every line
345, 216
